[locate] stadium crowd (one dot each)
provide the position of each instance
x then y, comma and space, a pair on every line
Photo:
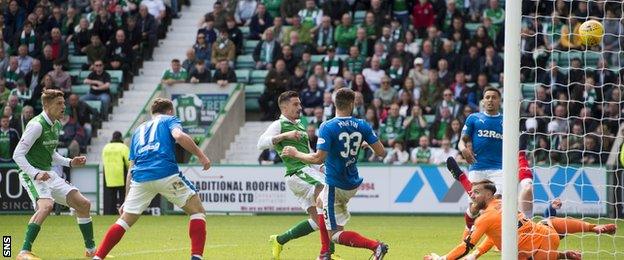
420, 67
72, 46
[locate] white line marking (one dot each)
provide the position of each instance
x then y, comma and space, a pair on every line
170, 250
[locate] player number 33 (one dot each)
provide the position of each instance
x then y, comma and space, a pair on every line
351, 143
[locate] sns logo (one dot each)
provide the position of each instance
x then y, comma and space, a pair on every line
443, 192
567, 182
6, 246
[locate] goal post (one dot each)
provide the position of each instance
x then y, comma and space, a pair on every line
511, 130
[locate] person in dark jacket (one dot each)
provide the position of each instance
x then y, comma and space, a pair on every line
276, 82
259, 22
82, 112
149, 31
224, 75
199, 73
266, 51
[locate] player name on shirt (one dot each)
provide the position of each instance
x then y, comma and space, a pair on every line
347, 123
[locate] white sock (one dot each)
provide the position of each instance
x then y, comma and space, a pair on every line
313, 224
83, 220
201, 216
336, 237
123, 224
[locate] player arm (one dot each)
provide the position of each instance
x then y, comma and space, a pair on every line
58, 159
31, 134
484, 247
378, 149
187, 143
128, 177
469, 242
311, 158
271, 136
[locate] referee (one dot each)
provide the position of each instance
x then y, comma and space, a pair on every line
115, 160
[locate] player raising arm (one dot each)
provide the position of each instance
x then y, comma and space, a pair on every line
35, 154
153, 170
303, 180
535, 241
339, 142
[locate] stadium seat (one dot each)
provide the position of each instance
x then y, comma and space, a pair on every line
242, 76
80, 89
472, 27
429, 119
359, 17
250, 45
244, 30
591, 59
565, 58
316, 58
257, 76
76, 62
96, 104
528, 90
252, 93
116, 76
245, 62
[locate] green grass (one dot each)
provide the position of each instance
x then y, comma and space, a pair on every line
245, 237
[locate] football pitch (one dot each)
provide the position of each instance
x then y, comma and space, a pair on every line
246, 237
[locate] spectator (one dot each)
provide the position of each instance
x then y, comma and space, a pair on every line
374, 74
190, 60
218, 15
148, 27
405, 103
120, 54
8, 140
209, 32
324, 36
22, 92
391, 129
116, 163
440, 155
440, 126
289, 9
431, 92
423, 16
33, 77
14, 106
60, 50
386, 93
223, 75
94, 51
199, 73
422, 153
202, 50
345, 34
276, 82
448, 101
397, 73
24, 61
245, 10
235, 35
311, 16
72, 136
14, 17
323, 80
317, 117
104, 26
335, 9
298, 47
495, 13
19, 122
303, 31
397, 155
61, 78
406, 58
82, 36
266, 51
311, 97
4, 93
175, 74
99, 80
156, 8
453, 133
415, 127
27, 36
444, 75
13, 72
269, 157
306, 64
332, 64
570, 37
491, 64
83, 113
419, 74
289, 58
355, 62
312, 137
408, 86
359, 84
259, 22
359, 110
328, 106
278, 28
298, 81
223, 49
4, 59
411, 45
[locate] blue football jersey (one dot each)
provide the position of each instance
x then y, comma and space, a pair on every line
486, 133
153, 149
341, 138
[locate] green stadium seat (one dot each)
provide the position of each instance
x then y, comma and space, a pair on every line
114, 89
257, 76
592, 58
116, 76
80, 89
96, 104
316, 58
76, 62
528, 90
245, 62
250, 45
472, 27
242, 76
565, 58
252, 93
359, 17
83, 75
244, 30
429, 119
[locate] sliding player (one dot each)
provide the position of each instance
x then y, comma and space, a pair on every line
339, 141
35, 154
535, 241
301, 178
153, 170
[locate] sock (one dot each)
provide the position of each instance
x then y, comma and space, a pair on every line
569, 225
300, 229
86, 228
353, 239
32, 230
197, 232
324, 235
112, 237
463, 180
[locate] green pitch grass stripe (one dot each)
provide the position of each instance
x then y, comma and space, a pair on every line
32, 191
150, 252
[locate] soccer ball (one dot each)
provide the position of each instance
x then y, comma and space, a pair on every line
591, 33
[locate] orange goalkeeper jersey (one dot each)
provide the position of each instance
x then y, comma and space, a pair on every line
530, 234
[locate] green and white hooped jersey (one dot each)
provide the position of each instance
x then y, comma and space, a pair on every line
42, 150
283, 125
188, 109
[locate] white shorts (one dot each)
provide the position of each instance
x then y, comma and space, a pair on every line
495, 176
303, 185
174, 188
335, 206
55, 188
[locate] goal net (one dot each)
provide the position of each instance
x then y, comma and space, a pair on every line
571, 109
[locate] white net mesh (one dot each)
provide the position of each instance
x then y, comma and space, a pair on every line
571, 112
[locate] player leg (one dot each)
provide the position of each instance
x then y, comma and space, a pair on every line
525, 176
139, 197
548, 248
458, 174
67, 194
39, 193
565, 226
337, 215
179, 191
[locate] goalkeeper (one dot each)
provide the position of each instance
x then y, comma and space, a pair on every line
535, 240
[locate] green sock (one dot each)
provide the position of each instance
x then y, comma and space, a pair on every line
301, 229
32, 230
332, 247
86, 228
